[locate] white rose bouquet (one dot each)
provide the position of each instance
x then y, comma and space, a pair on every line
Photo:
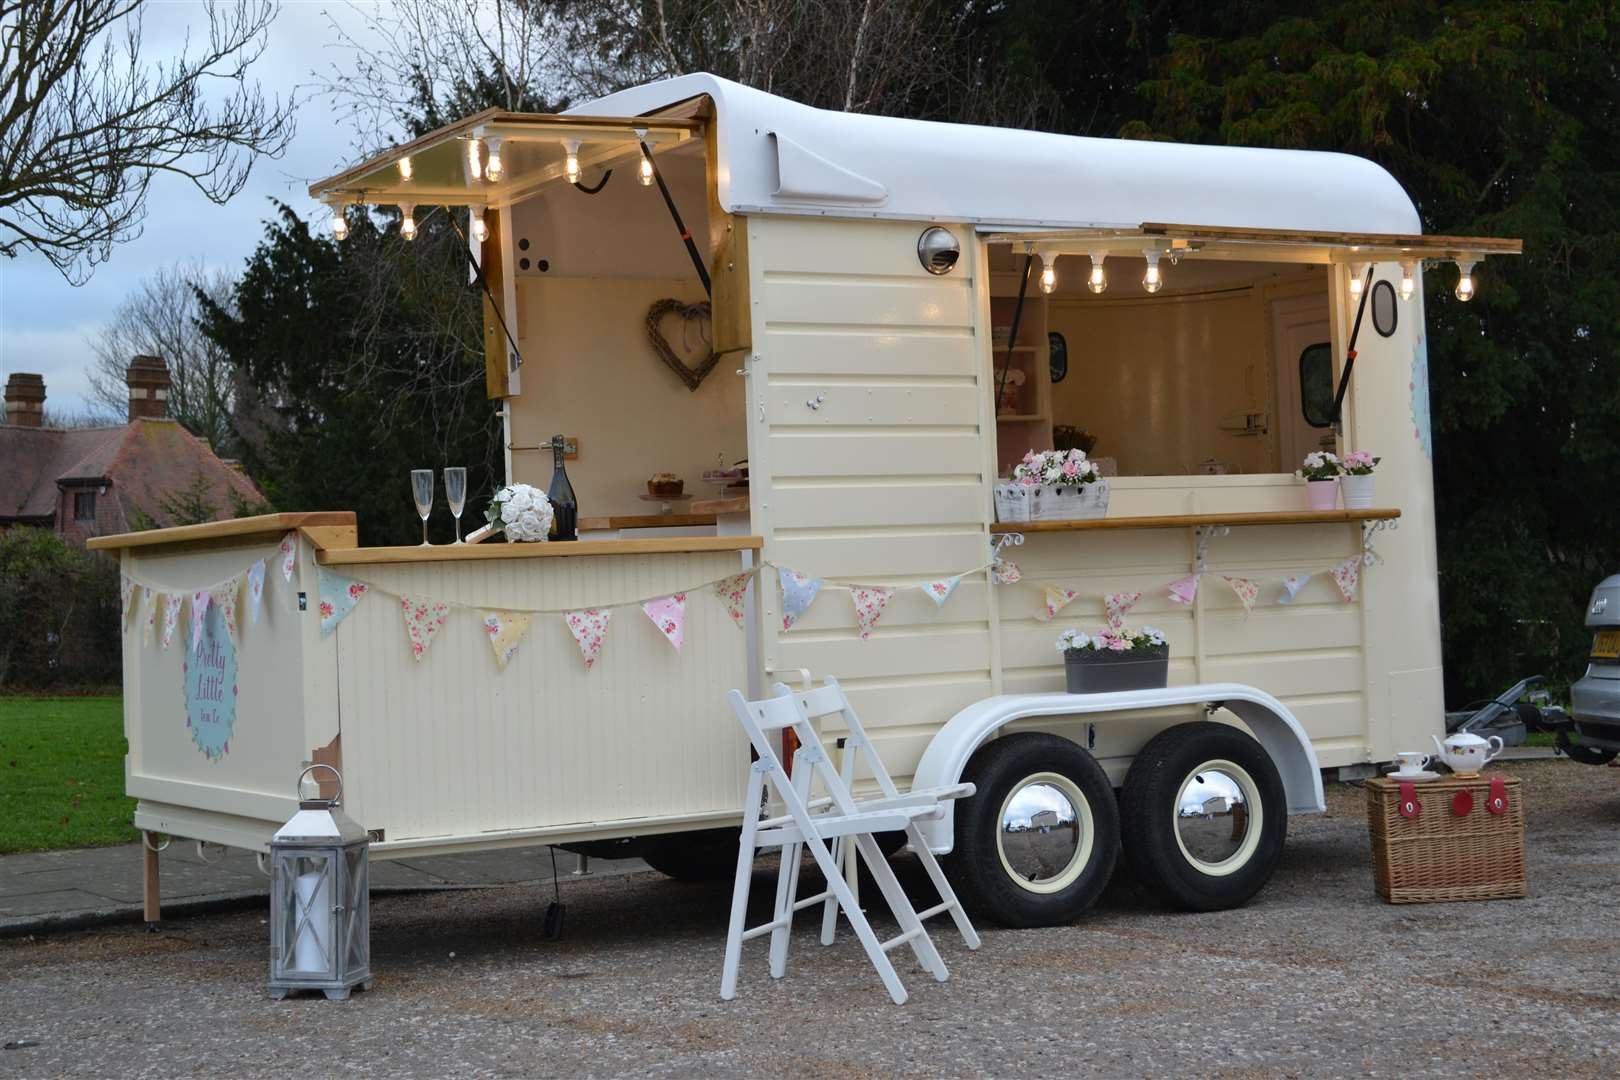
522, 512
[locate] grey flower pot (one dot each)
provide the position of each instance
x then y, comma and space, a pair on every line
1092, 671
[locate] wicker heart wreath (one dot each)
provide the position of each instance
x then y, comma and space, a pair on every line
689, 313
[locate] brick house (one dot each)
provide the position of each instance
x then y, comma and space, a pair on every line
84, 482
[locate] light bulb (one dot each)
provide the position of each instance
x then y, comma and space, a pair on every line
480, 231
1408, 281
493, 167
1465, 280
571, 162
1152, 280
340, 224
1048, 274
645, 175
407, 222
474, 167
405, 169
1358, 282
1098, 281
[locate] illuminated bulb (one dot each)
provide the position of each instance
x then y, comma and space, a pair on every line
407, 221
493, 167
480, 231
405, 168
474, 168
1152, 280
571, 162
1358, 274
340, 224
1465, 280
1048, 274
1408, 280
1098, 281
646, 173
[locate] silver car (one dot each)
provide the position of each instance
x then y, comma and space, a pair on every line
1595, 699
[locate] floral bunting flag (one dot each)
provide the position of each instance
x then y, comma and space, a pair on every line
424, 618
1183, 590
870, 600
798, 590
589, 628
1247, 592
733, 592
1291, 586
199, 617
126, 592
224, 597
149, 600
1119, 605
1005, 572
668, 613
289, 555
1056, 600
505, 630
940, 591
1346, 575
255, 584
171, 615
338, 595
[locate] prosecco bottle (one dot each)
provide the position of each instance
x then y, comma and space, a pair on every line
564, 507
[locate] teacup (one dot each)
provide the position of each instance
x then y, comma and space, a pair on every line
1413, 761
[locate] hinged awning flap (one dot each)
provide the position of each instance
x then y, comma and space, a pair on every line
1257, 243
532, 147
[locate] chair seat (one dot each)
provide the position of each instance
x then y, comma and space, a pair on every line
829, 825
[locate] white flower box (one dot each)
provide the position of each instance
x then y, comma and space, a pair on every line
1013, 502
1070, 503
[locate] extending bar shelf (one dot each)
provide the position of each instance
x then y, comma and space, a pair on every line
1190, 521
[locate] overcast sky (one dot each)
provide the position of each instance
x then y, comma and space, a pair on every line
45, 322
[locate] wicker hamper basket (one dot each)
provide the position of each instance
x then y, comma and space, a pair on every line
1438, 855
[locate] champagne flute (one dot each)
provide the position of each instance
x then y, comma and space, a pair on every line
422, 492
455, 493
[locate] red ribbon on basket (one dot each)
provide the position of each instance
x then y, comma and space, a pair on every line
1497, 803
1409, 805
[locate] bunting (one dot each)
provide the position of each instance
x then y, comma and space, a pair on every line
1247, 592
798, 591
733, 592
869, 600
424, 618
199, 617
1346, 576
126, 592
1005, 572
505, 629
589, 627
337, 596
255, 584
1057, 599
1183, 590
149, 602
289, 555
223, 598
1119, 605
171, 615
940, 591
668, 613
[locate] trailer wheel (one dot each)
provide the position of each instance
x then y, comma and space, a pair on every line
707, 855
1204, 816
1037, 842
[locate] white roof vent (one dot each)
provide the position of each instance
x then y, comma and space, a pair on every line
802, 175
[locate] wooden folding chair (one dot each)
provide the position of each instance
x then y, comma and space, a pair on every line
809, 824
828, 699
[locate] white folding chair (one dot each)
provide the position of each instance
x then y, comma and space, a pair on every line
802, 827
827, 700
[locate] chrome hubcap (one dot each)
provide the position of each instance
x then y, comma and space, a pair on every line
1215, 815
1042, 832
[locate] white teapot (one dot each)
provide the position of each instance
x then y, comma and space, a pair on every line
1466, 753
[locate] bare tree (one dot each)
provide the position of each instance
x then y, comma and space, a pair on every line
86, 122
160, 319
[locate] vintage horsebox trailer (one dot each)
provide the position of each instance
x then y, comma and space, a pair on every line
864, 275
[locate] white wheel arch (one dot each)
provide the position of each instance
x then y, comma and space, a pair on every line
1272, 724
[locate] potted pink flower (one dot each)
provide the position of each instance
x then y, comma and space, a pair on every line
1321, 471
1357, 481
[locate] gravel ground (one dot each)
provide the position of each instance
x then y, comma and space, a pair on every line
1315, 977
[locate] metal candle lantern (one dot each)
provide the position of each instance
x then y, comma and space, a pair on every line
320, 929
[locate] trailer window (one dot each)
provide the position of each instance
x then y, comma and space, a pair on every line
1316, 384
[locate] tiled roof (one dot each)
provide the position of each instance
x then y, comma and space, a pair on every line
31, 460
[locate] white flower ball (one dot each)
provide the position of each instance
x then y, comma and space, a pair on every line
509, 512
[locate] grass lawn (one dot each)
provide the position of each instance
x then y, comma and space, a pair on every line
62, 773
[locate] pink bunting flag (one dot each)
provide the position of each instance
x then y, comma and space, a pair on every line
668, 613
289, 555
149, 624
1346, 576
870, 600
1119, 605
424, 618
126, 592
1247, 592
255, 585
733, 593
171, 615
1291, 586
505, 629
223, 597
1005, 572
1183, 590
589, 628
1056, 600
940, 591
199, 617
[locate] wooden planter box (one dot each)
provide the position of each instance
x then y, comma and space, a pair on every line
1440, 855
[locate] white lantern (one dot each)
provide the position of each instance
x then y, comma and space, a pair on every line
320, 912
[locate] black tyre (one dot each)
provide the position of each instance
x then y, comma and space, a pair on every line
709, 855
1204, 816
1038, 840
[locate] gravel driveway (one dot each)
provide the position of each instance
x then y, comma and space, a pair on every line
1316, 977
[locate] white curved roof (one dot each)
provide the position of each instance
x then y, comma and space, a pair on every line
778, 156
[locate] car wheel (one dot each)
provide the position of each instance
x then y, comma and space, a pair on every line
1037, 842
1204, 816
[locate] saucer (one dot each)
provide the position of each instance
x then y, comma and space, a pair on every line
1421, 774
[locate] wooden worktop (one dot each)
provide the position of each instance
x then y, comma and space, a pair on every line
663, 545
327, 528
734, 504
1188, 521
643, 521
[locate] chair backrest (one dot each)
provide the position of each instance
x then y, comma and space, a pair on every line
810, 760
827, 699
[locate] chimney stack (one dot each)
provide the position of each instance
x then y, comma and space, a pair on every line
25, 400
148, 379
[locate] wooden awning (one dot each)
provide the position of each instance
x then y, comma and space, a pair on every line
532, 150
1259, 244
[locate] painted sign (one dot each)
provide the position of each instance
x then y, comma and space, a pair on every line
209, 672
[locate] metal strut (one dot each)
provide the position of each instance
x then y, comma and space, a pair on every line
1350, 354
686, 234
1012, 338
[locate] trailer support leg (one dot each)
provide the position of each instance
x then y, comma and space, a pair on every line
151, 897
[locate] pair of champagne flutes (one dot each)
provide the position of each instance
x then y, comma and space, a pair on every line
455, 493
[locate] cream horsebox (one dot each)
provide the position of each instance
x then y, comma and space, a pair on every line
896, 312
